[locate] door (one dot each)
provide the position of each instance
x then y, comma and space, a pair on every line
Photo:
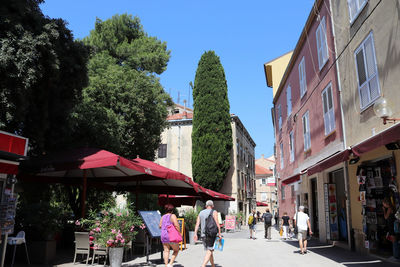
314, 207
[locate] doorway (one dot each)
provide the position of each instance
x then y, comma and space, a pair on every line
337, 178
314, 207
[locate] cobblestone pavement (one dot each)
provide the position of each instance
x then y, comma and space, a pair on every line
241, 251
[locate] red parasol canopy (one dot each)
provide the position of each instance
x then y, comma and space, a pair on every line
261, 204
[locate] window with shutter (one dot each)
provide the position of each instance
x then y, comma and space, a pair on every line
281, 147
302, 77
291, 146
355, 7
306, 131
289, 100
328, 109
263, 196
279, 117
322, 44
367, 72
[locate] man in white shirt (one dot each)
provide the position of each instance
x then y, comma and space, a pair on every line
302, 221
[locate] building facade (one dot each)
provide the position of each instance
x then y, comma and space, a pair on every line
308, 129
367, 41
175, 152
266, 184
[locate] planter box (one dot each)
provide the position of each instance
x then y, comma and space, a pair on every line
43, 252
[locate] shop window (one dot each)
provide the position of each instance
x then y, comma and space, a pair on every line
329, 112
367, 72
162, 151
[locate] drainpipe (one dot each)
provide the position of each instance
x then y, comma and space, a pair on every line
345, 172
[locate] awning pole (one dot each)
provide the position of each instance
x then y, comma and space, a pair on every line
83, 200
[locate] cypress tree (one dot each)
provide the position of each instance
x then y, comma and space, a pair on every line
212, 132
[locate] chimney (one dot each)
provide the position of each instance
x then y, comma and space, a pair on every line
184, 110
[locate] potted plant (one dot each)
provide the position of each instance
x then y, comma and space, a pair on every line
113, 228
190, 217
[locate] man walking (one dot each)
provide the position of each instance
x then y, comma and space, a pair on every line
302, 221
267, 217
208, 241
252, 225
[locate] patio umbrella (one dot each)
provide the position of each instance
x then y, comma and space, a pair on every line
261, 204
103, 169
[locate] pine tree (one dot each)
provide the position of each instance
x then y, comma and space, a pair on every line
212, 132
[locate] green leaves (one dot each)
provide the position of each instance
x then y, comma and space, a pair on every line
212, 132
124, 108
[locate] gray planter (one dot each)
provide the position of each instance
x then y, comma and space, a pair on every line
116, 255
191, 238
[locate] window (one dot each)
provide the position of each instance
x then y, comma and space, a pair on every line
306, 132
355, 7
322, 44
162, 151
237, 147
281, 146
367, 72
238, 180
289, 100
282, 192
291, 146
302, 77
329, 113
263, 196
263, 181
279, 117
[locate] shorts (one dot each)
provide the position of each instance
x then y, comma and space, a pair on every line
302, 235
208, 242
252, 226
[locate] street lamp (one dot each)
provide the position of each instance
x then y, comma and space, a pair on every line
382, 109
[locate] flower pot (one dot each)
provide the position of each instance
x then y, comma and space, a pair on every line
116, 255
191, 238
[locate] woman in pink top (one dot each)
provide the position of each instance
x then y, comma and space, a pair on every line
166, 220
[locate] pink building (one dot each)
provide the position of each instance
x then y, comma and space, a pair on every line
307, 122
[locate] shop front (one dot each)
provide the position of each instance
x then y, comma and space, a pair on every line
373, 179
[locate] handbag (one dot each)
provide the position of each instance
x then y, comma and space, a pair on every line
174, 235
281, 232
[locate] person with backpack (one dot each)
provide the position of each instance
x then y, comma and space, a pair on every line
252, 224
210, 228
267, 217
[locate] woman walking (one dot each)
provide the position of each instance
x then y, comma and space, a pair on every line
168, 219
285, 225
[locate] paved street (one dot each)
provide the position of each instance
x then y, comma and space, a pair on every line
239, 250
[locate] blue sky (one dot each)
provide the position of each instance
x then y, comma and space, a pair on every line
244, 34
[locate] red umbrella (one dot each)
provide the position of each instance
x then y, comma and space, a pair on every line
101, 168
261, 204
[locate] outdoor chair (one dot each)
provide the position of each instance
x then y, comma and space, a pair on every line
18, 240
82, 245
100, 251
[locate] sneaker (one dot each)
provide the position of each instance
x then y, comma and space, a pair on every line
169, 265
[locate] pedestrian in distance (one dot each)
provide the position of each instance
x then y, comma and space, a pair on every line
258, 216
267, 217
252, 224
302, 222
169, 219
285, 225
207, 220
276, 218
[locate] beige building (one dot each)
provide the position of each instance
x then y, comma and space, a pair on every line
367, 43
175, 152
266, 184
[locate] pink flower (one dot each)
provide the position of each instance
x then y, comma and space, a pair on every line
96, 246
97, 229
97, 223
91, 232
113, 231
110, 242
119, 214
132, 228
77, 222
122, 241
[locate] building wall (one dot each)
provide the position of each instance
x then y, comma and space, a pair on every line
278, 69
380, 18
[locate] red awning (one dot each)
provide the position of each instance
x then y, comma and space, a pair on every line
261, 204
291, 179
389, 135
8, 167
329, 162
13, 143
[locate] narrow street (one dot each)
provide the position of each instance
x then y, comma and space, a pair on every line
240, 251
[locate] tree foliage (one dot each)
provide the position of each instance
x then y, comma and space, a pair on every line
212, 132
124, 107
42, 73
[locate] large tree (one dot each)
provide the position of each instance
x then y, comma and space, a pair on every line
42, 73
124, 107
212, 132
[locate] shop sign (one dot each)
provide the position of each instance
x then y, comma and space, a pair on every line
230, 221
326, 201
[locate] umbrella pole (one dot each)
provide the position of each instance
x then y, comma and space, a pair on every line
83, 200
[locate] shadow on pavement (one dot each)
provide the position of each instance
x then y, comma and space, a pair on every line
340, 255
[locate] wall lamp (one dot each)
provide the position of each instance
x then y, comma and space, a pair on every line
382, 109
